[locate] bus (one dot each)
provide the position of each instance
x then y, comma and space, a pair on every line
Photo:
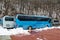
1, 22
33, 22
8, 22
55, 22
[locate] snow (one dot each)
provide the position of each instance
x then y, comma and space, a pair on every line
39, 39
46, 28
13, 31
21, 31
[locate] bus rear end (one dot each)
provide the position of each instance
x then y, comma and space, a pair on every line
44, 22
8, 22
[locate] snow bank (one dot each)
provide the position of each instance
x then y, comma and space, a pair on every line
58, 27
21, 31
39, 39
13, 31
46, 28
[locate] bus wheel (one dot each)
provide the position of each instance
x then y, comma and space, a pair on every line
47, 26
30, 28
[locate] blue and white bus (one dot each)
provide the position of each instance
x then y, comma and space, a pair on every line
27, 21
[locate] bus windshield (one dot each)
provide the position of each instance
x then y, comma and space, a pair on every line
9, 19
29, 18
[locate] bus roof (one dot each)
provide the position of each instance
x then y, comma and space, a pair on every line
34, 15
8, 16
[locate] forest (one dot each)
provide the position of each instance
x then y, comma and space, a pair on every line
49, 8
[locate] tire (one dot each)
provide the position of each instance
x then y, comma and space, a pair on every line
30, 28
47, 26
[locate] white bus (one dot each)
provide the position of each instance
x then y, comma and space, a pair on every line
8, 22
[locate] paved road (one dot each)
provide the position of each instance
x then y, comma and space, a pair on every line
50, 34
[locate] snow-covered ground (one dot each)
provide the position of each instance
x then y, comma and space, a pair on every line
46, 28
21, 31
13, 31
